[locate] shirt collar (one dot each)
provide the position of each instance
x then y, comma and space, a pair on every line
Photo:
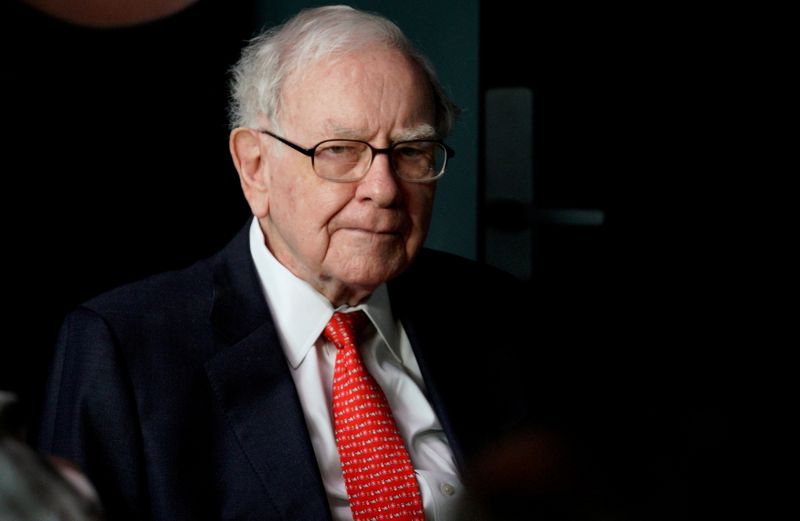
300, 312
379, 310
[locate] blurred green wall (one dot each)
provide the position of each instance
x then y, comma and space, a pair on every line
447, 32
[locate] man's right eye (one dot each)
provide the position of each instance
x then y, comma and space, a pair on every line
339, 151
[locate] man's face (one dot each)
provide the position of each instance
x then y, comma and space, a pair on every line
354, 236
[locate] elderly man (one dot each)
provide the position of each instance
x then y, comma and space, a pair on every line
323, 365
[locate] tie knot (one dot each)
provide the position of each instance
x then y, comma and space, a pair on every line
343, 328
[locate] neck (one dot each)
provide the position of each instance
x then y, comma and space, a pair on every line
339, 294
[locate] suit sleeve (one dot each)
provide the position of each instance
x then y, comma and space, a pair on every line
90, 414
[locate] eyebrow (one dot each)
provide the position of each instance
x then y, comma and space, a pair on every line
423, 131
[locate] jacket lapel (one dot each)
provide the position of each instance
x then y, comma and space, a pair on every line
423, 344
467, 377
424, 329
251, 381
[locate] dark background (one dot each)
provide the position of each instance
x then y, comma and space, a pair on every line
116, 166
633, 115
660, 115
115, 162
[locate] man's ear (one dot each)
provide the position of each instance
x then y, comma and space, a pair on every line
250, 162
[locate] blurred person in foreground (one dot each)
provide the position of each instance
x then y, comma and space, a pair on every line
323, 365
33, 487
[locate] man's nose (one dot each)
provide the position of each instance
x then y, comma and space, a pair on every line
380, 185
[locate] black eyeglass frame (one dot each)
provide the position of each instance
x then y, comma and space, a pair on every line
311, 152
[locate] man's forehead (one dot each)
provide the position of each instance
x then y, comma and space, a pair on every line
330, 100
343, 63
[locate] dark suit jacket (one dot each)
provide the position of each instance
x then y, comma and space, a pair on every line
174, 396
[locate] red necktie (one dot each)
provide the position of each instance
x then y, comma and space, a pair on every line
378, 474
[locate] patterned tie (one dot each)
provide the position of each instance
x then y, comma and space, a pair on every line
377, 470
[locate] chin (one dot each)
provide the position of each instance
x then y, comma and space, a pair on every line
372, 272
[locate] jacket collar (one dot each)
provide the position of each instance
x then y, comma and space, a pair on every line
251, 381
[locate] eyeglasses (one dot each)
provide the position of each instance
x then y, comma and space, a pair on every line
348, 160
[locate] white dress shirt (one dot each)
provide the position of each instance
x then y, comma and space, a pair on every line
300, 314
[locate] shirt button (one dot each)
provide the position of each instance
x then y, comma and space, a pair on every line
447, 489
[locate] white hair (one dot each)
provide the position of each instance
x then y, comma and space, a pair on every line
271, 57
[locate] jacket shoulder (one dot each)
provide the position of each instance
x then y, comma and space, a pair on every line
163, 294
450, 276
188, 292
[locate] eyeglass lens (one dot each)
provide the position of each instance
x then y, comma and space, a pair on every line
413, 160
